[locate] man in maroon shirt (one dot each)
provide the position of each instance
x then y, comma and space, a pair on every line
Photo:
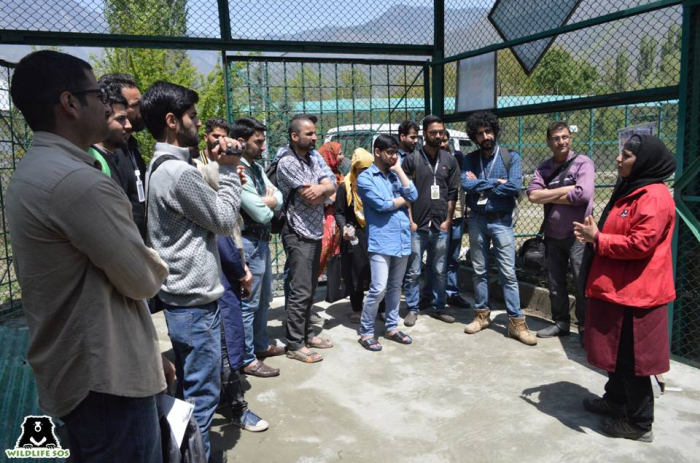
566, 200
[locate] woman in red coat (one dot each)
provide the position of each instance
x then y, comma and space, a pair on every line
629, 287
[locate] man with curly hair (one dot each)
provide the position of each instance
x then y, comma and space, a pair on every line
491, 177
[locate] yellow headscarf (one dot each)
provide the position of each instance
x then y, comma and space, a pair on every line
361, 159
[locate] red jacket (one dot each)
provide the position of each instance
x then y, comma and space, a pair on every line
633, 265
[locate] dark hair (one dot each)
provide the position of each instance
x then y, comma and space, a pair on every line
482, 119
114, 93
217, 123
384, 142
556, 127
245, 127
297, 119
38, 81
118, 80
163, 98
633, 144
407, 126
429, 120
447, 134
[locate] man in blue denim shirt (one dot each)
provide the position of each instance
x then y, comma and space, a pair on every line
492, 184
385, 191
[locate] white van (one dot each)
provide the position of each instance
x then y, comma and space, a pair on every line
363, 136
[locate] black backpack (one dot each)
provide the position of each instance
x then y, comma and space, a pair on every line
280, 217
532, 253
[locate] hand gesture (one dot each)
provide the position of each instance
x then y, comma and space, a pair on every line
585, 232
225, 159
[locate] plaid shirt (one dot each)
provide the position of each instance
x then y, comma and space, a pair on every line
501, 198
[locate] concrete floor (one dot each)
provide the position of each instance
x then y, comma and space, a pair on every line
448, 397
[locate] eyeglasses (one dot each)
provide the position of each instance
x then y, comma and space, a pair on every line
434, 133
390, 152
102, 94
562, 138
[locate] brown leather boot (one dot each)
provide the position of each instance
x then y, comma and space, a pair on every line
480, 322
517, 329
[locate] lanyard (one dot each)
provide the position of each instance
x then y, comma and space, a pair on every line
437, 163
137, 173
481, 162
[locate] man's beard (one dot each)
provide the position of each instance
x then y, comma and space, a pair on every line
188, 138
487, 144
138, 125
434, 143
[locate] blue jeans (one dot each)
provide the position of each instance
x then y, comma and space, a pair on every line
255, 307
482, 232
453, 250
196, 336
435, 243
110, 428
387, 275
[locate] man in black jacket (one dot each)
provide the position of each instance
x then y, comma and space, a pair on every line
126, 85
436, 175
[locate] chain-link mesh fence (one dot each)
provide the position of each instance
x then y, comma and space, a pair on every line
166, 18
14, 139
636, 53
685, 331
352, 101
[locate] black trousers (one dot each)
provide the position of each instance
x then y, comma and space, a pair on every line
303, 256
624, 388
358, 297
232, 393
562, 255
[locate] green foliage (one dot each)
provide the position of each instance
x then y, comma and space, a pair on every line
160, 18
645, 62
560, 74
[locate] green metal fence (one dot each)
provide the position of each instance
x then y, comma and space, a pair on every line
597, 64
352, 99
14, 139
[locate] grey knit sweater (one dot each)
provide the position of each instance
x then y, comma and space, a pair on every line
184, 217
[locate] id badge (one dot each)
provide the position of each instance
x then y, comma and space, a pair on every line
139, 188
482, 201
435, 192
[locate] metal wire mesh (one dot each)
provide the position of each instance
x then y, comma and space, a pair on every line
352, 102
358, 21
168, 18
468, 28
685, 331
636, 53
14, 139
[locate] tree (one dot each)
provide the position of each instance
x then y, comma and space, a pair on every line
620, 73
647, 54
165, 18
670, 60
560, 74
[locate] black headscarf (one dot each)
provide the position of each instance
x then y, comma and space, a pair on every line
654, 164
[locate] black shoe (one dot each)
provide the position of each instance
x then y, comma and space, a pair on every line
410, 318
552, 331
443, 317
602, 406
620, 427
458, 301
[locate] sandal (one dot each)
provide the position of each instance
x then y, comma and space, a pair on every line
370, 344
306, 357
324, 344
400, 337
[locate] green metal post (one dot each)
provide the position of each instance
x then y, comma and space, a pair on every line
224, 20
426, 86
591, 132
227, 86
438, 54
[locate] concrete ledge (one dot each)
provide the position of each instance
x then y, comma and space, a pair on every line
534, 300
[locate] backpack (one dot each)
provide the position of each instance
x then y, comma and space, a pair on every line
279, 217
